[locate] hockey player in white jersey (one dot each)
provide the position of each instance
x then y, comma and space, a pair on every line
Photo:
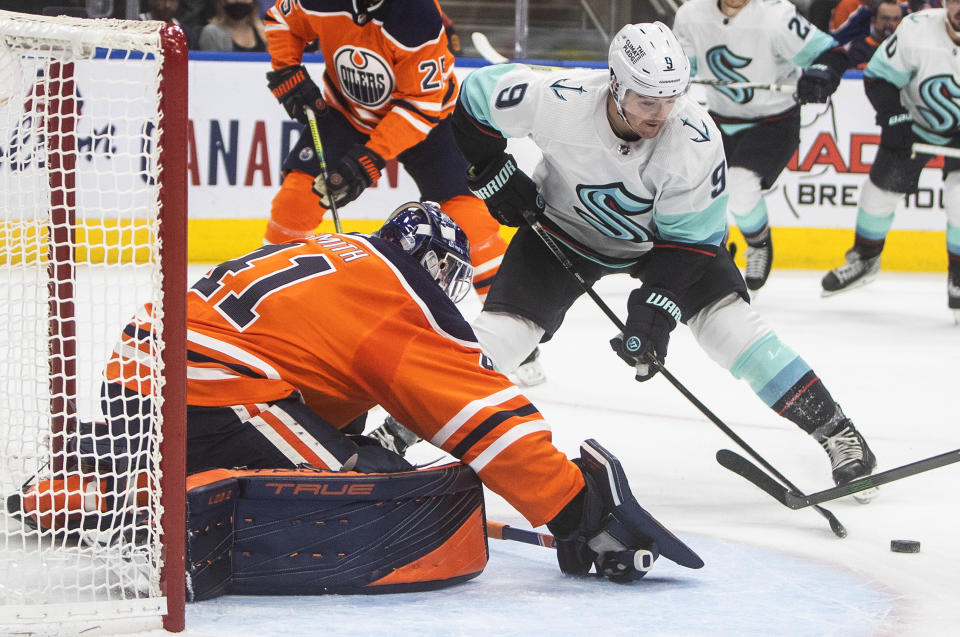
757, 41
913, 82
633, 179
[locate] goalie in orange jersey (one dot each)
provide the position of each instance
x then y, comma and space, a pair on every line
386, 92
286, 347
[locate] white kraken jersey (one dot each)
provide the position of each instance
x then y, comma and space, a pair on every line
922, 61
768, 41
613, 198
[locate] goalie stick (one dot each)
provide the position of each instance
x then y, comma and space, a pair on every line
642, 559
835, 525
794, 500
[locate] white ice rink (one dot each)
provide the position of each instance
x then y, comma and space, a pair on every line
888, 352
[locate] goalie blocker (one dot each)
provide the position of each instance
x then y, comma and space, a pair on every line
310, 532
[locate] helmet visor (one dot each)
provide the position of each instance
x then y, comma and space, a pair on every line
643, 107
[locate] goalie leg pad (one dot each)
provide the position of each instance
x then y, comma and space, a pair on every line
304, 532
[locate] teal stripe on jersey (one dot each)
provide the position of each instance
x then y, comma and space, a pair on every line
704, 226
953, 239
733, 129
930, 138
873, 227
693, 67
878, 67
816, 45
770, 367
753, 221
476, 89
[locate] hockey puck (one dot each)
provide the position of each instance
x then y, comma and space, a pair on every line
904, 546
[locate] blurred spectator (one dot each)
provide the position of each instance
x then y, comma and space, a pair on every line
858, 23
886, 17
235, 27
843, 10
197, 12
166, 11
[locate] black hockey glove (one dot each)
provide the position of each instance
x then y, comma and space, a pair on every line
651, 316
506, 190
294, 89
358, 168
896, 134
816, 84
604, 525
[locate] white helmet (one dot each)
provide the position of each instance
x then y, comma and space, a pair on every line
647, 58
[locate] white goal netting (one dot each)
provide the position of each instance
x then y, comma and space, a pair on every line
81, 124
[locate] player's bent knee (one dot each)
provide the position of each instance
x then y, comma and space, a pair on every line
295, 212
725, 329
878, 201
306, 532
506, 338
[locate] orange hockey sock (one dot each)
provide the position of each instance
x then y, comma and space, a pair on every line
483, 231
296, 211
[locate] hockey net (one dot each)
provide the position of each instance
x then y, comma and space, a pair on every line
92, 226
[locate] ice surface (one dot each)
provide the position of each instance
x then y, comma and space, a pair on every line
888, 352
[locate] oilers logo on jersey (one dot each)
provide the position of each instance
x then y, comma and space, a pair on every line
365, 77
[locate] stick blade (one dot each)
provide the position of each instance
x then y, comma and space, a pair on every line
485, 49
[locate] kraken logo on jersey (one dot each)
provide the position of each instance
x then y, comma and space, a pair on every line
722, 61
941, 113
365, 77
610, 209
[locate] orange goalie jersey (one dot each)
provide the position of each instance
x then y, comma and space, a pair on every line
392, 77
349, 322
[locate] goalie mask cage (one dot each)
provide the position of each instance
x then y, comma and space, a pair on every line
93, 117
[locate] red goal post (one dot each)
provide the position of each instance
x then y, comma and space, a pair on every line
93, 200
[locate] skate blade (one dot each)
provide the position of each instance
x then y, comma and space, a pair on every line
853, 286
865, 496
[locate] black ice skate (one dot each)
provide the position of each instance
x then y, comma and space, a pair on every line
855, 272
394, 437
759, 257
850, 457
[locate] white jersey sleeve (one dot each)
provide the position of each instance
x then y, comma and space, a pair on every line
767, 42
915, 59
610, 198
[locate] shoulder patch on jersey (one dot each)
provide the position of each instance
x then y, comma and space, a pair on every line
412, 23
564, 85
702, 132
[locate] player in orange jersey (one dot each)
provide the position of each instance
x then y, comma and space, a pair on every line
289, 344
387, 90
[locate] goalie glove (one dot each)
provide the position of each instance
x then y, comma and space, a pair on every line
652, 313
506, 190
358, 168
294, 89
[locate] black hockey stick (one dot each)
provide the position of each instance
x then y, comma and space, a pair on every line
740, 465
530, 217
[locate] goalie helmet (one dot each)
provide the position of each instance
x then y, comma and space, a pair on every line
647, 59
425, 232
